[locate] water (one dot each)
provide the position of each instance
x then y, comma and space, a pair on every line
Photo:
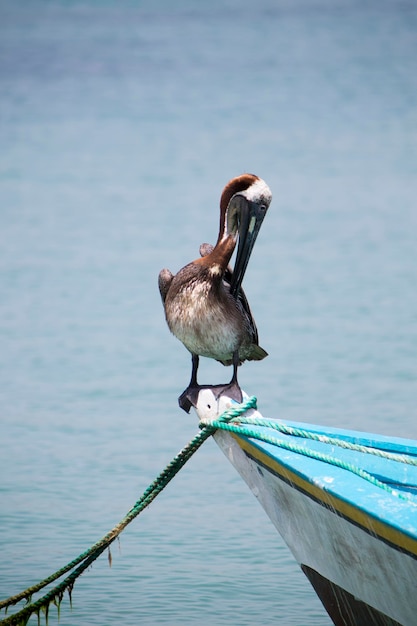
120, 124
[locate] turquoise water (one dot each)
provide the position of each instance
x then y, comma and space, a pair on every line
120, 124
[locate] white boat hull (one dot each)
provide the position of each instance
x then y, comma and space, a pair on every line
339, 558
355, 538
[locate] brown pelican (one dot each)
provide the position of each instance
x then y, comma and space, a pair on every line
205, 307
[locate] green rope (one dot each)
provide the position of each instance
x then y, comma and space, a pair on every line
319, 456
86, 558
335, 441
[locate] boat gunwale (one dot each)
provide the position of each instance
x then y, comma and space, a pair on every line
334, 496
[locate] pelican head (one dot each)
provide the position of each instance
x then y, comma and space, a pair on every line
243, 217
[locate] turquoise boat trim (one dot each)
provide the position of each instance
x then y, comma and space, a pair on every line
314, 454
286, 429
395, 536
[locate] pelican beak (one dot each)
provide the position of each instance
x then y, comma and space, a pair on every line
250, 215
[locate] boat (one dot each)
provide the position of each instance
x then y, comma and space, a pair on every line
345, 503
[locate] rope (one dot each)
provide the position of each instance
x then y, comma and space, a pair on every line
335, 441
85, 559
226, 422
319, 456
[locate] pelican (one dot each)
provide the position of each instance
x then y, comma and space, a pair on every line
204, 304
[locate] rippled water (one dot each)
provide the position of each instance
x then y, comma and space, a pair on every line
120, 124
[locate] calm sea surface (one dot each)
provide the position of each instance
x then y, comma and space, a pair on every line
120, 122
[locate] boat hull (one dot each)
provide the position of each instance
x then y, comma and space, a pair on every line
363, 569
343, 608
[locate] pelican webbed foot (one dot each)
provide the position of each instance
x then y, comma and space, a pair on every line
189, 396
